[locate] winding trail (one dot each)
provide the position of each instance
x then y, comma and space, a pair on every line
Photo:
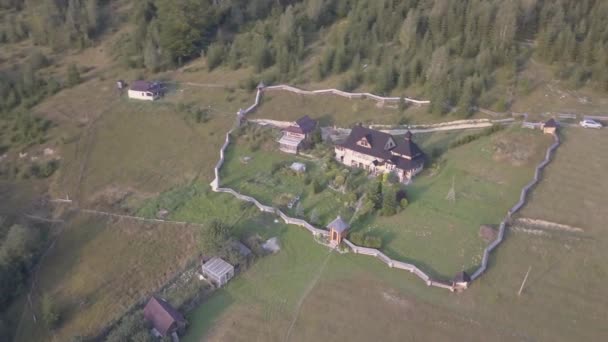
307, 292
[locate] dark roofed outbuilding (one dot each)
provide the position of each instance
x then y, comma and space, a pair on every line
551, 123
550, 126
163, 316
461, 280
306, 124
140, 85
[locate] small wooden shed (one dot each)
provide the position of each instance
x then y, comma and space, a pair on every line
218, 271
337, 230
164, 318
461, 280
550, 126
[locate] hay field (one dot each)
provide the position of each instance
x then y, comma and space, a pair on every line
358, 298
336, 110
99, 267
441, 235
574, 190
140, 147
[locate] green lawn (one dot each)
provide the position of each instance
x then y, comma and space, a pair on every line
336, 110
442, 235
255, 178
98, 268
563, 299
439, 235
263, 299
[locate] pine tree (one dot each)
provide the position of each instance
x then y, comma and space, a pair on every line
467, 99
73, 75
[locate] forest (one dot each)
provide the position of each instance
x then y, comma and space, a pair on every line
449, 49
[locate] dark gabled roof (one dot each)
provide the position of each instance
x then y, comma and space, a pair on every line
551, 123
407, 147
303, 125
140, 85
338, 225
162, 315
378, 140
462, 277
244, 250
306, 124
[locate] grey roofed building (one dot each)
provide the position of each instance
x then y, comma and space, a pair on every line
140, 85
244, 250
218, 271
550, 123
462, 277
338, 225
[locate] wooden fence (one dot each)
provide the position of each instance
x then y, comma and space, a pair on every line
346, 94
522, 201
215, 186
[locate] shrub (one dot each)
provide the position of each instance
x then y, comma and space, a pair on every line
339, 180
49, 312
357, 238
372, 242
275, 167
469, 138
314, 216
365, 240
73, 75
215, 55
316, 186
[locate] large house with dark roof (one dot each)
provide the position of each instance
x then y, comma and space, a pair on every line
379, 153
297, 136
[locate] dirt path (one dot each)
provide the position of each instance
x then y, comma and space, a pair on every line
308, 290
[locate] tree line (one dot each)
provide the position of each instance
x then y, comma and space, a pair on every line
447, 50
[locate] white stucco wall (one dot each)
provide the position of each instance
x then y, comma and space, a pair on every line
140, 95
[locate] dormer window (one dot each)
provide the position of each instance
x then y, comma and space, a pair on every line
390, 143
364, 142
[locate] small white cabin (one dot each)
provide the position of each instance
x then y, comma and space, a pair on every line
144, 90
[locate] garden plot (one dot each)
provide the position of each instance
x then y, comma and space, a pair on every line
255, 167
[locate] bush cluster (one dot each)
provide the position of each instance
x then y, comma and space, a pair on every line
365, 240
470, 138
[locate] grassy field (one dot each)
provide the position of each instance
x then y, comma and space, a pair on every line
563, 300
574, 190
98, 268
255, 177
439, 235
442, 235
141, 147
336, 110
